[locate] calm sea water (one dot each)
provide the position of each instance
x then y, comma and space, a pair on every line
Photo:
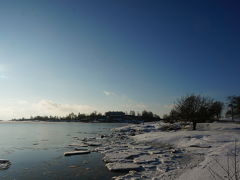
36, 149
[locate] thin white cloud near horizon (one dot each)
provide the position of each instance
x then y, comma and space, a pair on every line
22, 108
109, 93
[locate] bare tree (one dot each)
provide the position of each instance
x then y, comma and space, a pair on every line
196, 109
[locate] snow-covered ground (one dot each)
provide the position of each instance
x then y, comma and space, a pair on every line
210, 147
215, 141
171, 151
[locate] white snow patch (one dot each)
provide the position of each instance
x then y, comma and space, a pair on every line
215, 141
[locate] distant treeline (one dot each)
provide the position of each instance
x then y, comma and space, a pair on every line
145, 116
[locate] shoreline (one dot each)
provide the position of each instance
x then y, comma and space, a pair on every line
160, 150
93, 122
168, 151
141, 160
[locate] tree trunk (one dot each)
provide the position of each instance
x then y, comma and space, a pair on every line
232, 114
194, 125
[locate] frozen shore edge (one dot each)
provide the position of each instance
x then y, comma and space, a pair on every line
165, 151
168, 151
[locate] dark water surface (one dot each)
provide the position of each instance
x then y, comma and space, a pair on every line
36, 149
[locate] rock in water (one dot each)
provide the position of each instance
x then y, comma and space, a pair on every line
78, 145
4, 164
200, 146
75, 153
80, 149
93, 143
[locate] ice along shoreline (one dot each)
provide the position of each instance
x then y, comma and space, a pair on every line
166, 151
145, 160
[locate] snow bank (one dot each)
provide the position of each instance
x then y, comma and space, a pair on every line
214, 141
168, 151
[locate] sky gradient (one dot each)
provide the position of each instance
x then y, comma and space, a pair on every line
58, 56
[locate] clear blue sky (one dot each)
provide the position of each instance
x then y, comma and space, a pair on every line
60, 56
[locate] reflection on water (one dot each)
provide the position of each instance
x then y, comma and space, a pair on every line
36, 151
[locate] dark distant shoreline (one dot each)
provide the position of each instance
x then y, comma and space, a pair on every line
109, 117
83, 121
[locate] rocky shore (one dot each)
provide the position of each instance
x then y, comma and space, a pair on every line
165, 151
141, 160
